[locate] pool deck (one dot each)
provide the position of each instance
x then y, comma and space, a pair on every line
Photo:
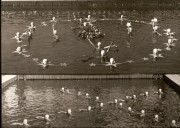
174, 80
7, 79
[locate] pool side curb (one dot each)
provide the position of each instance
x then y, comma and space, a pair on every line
173, 80
7, 79
75, 77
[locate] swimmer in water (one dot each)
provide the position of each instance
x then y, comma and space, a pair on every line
45, 118
134, 97
18, 37
174, 125
113, 102
89, 109
155, 53
87, 96
169, 33
29, 37
32, 27
130, 111
19, 49
25, 123
68, 112
99, 46
62, 90
53, 20
44, 23
103, 55
154, 22
122, 19
145, 94
79, 94
142, 114
156, 119
44, 63
155, 32
129, 31
128, 24
159, 92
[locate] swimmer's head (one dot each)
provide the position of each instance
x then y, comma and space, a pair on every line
111, 60
85, 23
87, 94
25, 121
101, 104
79, 93
120, 104
46, 116
102, 53
89, 108
169, 40
97, 97
156, 117
99, 43
32, 23
160, 90
128, 24
155, 27
134, 96
142, 112
69, 111
168, 30
55, 32
146, 93
19, 49
53, 18
17, 33
89, 16
115, 101
155, 19
173, 123
129, 109
62, 88
44, 61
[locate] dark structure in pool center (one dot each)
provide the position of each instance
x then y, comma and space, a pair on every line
91, 4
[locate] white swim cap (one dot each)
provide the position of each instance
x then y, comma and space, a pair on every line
46, 116
87, 94
128, 24
53, 18
102, 53
55, 31
101, 104
169, 40
120, 104
155, 19
155, 27
32, 23
44, 61
115, 101
155, 50
69, 111
129, 108
168, 30
111, 60
89, 108
134, 96
89, 16
173, 122
99, 43
97, 97
25, 121
142, 111
85, 23
160, 90
19, 49
156, 116
17, 33
146, 93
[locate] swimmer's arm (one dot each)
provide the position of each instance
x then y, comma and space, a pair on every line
39, 117
16, 124
62, 112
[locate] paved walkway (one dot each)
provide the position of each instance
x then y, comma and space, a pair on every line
175, 78
7, 79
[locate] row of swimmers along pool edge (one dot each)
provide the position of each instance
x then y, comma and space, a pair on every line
117, 103
87, 30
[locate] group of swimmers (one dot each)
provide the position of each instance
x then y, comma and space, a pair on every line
117, 103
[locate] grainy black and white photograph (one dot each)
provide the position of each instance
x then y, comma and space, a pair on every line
90, 63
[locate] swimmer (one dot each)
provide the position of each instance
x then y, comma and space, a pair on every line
128, 97
87, 110
25, 123
134, 97
173, 124
128, 24
87, 96
45, 118
18, 37
44, 23
129, 31
44, 62
79, 93
31, 27
101, 106
169, 33
142, 113
88, 18
155, 53
29, 37
156, 118
145, 94
159, 92
103, 55
130, 111
53, 20
68, 113
113, 102
155, 28
122, 18
62, 90
112, 61
98, 46
154, 22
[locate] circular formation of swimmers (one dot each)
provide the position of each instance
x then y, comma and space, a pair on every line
88, 30
122, 105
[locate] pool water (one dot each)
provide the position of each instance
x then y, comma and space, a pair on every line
78, 53
31, 98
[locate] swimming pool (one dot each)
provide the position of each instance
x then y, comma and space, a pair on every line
31, 98
78, 54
